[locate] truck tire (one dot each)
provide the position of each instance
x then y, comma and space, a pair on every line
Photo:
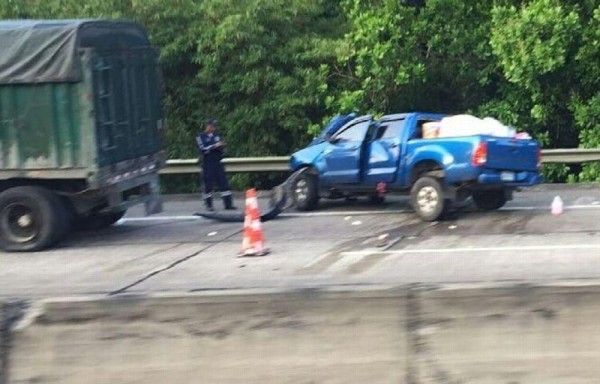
31, 219
305, 192
99, 220
427, 198
489, 200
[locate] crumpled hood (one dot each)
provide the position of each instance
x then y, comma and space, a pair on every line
308, 155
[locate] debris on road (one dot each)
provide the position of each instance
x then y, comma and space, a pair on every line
382, 240
277, 204
557, 206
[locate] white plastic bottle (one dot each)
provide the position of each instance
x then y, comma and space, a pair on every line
557, 206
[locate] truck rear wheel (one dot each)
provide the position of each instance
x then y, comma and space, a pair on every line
427, 198
31, 219
489, 200
306, 192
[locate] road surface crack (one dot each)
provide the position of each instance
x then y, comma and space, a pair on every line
170, 266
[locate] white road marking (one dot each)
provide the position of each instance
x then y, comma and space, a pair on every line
346, 214
348, 259
531, 248
316, 260
573, 207
159, 218
396, 211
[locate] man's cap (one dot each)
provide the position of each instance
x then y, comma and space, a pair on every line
213, 122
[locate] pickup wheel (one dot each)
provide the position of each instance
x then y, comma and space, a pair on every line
31, 219
305, 192
427, 198
489, 200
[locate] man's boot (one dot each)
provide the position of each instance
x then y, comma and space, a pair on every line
228, 201
208, 202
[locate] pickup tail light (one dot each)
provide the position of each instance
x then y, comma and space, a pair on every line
479, 155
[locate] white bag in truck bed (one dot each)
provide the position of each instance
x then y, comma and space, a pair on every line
468, 125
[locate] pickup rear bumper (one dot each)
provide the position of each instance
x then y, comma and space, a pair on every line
510, 178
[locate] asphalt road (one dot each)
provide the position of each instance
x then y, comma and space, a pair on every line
341, 244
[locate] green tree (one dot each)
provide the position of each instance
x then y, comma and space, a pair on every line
398, 57
259, 69
586, 99
257, 66
535, 45
270, 69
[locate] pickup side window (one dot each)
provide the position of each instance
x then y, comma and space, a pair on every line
390, 130
355, 132
418, 134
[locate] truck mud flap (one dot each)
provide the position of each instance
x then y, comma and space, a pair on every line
278, 203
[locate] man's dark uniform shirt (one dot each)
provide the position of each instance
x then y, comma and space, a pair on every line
206, 144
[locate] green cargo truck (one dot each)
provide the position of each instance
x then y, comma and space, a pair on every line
81, 127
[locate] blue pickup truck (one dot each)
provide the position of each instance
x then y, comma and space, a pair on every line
364, 156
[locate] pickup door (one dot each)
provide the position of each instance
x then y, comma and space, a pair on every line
385, 151
344, 153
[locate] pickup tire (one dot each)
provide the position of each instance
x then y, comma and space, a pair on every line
427, 198
31, 219
305, 191
489, 200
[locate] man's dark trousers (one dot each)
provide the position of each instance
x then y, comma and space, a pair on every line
214, 173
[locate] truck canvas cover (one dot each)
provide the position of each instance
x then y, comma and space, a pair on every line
35, 51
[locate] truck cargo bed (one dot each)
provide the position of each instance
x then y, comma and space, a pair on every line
96, 115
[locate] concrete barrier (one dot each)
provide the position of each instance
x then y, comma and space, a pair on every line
510, 335
275, 338
469, 334
10, 312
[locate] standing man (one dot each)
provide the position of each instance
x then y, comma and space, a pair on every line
211, 145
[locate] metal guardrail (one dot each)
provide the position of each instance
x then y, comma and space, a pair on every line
232, 164
281, 163
570, 156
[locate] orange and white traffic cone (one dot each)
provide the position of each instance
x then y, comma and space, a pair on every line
253, 243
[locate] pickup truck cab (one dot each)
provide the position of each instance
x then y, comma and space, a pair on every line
357, 156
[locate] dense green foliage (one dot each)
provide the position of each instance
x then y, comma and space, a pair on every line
272, 71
